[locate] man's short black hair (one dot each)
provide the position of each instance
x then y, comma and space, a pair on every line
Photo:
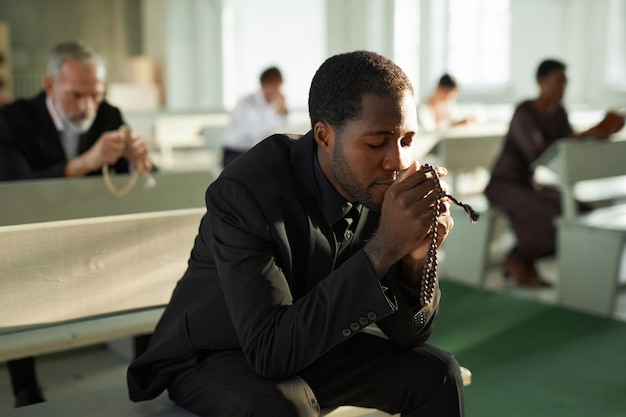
271, 75
447, 81
548, 66
341, 81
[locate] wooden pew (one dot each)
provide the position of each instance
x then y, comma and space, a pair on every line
461, 149
465, 254
590, 246
465, 149
80, 266
47, 200
469, 150
72, 243
574, 161
69, 282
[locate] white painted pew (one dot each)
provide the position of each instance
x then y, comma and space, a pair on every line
468, 150
47, 200
574, 161
71, 250
74, 271
186, 130
462, 148
71, 283
590, 255
466, 251
202, 133
591, 246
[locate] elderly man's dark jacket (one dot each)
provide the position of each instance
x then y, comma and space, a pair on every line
263, 278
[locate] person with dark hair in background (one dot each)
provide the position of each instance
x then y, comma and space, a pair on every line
306, 242
255, 116
531, 208
67, 130
436, 112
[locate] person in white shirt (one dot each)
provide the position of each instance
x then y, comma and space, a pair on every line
255, 116
437, 111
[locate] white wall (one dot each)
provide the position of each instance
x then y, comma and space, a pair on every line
213, 51
574, 31
297, 35
290, 34
560, 29
208, 53
185, 39
37, 26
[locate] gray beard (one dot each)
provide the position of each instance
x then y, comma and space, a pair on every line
80, 127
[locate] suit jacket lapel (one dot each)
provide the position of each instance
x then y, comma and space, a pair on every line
50, 138
321, 238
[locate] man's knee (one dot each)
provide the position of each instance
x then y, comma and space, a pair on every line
451, 367
295, 399
447, 371
439, 389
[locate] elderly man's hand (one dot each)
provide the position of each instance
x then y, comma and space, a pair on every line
137, 153
107, 150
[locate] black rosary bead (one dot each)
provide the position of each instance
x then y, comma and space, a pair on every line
429, 273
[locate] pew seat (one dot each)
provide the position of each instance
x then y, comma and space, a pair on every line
465, 255
591, 256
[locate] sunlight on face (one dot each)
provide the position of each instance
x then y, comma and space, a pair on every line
77, 92
369, 151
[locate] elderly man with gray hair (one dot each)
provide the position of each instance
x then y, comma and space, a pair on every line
67, 130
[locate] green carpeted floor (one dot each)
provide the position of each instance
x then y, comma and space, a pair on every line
532, 359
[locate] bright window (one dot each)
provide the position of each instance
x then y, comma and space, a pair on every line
478, 42
616, 45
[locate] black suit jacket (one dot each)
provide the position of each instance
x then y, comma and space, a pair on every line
262, 277
30, 145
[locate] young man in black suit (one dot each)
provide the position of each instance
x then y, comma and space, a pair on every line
296, 259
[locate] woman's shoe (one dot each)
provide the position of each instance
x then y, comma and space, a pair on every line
524, 273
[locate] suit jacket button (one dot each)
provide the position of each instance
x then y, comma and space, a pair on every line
371, 315
363, 320
354, 326
419, 319
346, 332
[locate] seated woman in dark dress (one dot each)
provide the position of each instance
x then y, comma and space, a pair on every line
530, 207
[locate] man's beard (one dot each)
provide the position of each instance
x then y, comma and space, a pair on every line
80, 127
349, 183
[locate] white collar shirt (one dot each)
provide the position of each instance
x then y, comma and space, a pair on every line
70, 139
252, 120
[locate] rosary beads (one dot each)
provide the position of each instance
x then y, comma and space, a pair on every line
429, 273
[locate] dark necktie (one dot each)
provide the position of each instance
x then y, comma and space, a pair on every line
344, 229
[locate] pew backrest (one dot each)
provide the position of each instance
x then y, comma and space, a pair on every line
59, 273
79, 266
574, 161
